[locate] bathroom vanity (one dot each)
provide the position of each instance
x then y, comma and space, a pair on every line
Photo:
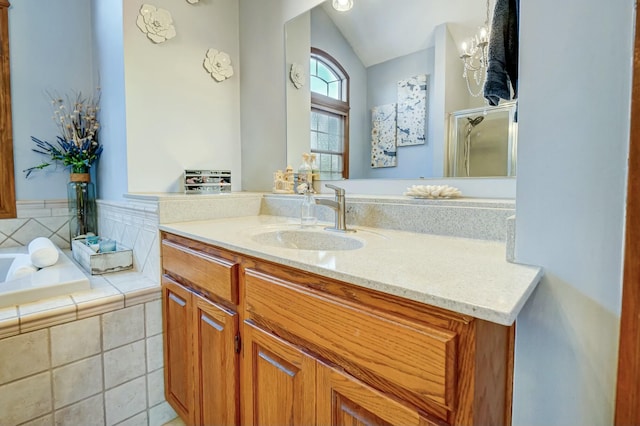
257, 334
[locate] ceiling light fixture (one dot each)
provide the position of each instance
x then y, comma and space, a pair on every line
342, 5
475, 56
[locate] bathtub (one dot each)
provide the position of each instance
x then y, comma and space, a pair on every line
64, 277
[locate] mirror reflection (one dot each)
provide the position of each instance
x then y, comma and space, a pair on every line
378, 92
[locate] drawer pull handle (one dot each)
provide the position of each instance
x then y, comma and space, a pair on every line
276, 364
177, 300
211, 322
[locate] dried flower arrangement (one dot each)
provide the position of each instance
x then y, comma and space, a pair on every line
77, 145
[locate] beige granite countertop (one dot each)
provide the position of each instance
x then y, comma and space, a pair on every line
463, 275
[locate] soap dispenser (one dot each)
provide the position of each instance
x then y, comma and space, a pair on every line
315, 173
308, 208
304, 174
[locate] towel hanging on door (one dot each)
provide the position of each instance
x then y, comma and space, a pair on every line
502, 70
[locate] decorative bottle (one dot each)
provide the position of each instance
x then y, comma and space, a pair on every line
308, 208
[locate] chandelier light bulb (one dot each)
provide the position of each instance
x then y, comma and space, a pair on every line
342, 5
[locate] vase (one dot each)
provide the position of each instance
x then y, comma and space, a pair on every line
81, 194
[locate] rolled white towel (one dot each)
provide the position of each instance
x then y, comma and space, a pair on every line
20, 267
43, 252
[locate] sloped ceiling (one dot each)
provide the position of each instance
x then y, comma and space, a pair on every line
379, 30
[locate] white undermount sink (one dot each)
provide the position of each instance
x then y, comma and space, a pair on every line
302, 239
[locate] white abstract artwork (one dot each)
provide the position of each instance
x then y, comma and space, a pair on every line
383, 136
412, 110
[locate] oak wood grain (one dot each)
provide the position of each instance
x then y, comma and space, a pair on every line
7, 180
178, 358
628, 386
344, 400
209, 273
420, 358
280, 381
216, 372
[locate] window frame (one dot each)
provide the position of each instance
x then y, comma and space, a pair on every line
330, 105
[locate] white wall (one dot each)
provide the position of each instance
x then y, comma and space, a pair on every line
575, 70
108, 56
177, 116
263, 112
297, 48
50, 51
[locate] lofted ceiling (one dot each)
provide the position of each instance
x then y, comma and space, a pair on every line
379, 30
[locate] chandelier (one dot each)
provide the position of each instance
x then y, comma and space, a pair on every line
342, 5
475, 57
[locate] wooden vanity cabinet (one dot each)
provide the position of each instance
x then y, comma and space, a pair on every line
316, 351
201, 336
178, 357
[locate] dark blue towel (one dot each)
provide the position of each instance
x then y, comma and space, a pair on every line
502, 71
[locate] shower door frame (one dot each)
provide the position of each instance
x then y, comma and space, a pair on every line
450, 164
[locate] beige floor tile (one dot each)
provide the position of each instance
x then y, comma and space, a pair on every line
137, 420
161, 414
175, 422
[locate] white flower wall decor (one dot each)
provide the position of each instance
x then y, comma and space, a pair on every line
192, 1
218, 64
156, 23
297, 75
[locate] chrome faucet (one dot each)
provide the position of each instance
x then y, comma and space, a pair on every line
338, 206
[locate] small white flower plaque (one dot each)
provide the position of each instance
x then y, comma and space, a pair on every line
218, 64
156, 23
296, 74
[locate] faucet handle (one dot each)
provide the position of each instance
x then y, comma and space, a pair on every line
339, 191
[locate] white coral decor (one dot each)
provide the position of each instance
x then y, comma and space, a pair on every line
156, 23
218, 64
433, 191
192, 1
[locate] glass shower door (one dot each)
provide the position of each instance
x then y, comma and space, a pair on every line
482, 142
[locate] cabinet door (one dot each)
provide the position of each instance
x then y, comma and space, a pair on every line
178, 358
216, 372
279, 381
344, 400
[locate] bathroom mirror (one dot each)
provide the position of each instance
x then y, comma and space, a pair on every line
375, 48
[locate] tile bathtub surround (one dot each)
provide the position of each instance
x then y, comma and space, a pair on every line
108, 293
468, 218
82, 373
133, 224
48, 218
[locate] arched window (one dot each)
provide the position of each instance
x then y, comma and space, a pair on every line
329, 115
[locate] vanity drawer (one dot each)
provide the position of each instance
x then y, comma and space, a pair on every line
413, 356
212, 274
